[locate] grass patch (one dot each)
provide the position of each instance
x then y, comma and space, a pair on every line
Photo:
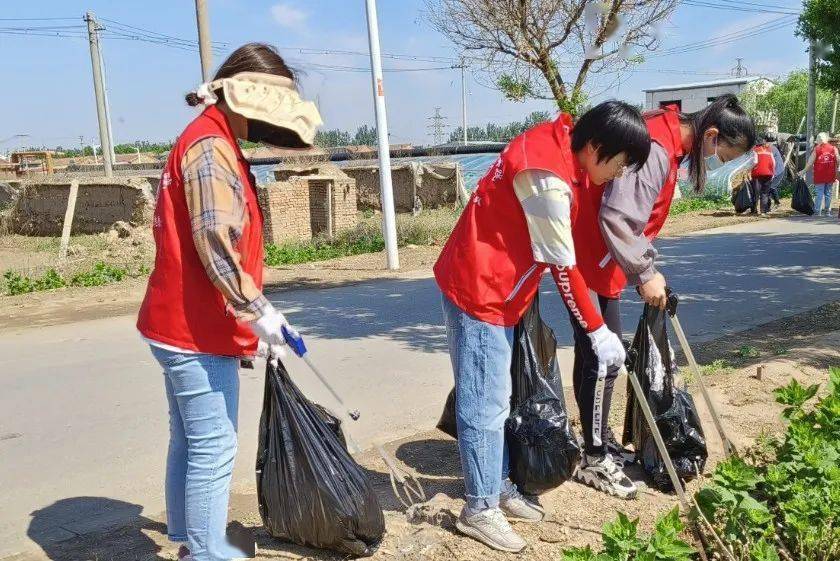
718, 365
747, 351
428, 228
100, 274
691, 204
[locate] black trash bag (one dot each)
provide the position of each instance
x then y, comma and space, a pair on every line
310, 491
652, 360
802, 200
543, 448
742, 198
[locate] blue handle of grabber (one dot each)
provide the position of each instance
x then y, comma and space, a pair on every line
294, 340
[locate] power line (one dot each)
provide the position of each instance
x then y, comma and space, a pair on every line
158, 35
726, 38
736, 8
39, 19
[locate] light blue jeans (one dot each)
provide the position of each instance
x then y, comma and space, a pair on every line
481, 355
822, 190
203, 395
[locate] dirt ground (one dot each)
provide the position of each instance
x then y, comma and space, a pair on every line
575, 512
34, 255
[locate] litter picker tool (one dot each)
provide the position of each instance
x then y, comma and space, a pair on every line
412, 490
728, 446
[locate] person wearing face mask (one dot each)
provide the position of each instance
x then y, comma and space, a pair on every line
204, 307
517, 226
617, 223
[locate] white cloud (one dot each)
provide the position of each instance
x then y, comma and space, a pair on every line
289, 16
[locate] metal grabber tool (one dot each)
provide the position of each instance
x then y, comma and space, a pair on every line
406, 486
728, 447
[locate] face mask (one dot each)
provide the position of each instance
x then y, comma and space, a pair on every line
713, 161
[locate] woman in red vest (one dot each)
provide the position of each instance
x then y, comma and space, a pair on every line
824, 159
616, 226
762, 176
516, 226
204, 308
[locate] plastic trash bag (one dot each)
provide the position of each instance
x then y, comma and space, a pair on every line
652, 360
310, 490
543, 448
802, 200
742, 198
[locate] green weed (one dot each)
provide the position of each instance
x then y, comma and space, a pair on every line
691, 204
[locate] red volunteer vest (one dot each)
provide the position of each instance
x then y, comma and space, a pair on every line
182, 307
825, 164
765, 166
602, 274
487, 266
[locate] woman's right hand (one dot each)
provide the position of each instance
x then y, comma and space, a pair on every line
269, 328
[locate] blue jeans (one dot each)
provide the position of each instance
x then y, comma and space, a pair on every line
823, 190
481, 355
203, 395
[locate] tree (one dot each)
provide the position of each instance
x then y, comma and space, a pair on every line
332, 138
500, 133
526, 45
365, 136
819, 22
788, 100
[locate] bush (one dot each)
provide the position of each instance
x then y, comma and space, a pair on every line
622, 542
101, 273
791, 496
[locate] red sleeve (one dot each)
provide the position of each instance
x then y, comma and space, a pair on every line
575, 295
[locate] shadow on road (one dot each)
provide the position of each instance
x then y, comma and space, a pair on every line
728, 281
89, 518
438, 458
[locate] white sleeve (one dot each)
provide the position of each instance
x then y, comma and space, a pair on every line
546, 200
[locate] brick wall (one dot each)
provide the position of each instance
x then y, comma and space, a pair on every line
407, 181
295, 209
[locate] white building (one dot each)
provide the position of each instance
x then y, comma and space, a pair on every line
696, 96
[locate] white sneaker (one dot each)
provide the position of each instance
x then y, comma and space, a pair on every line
491, 528
605, 474
518, 507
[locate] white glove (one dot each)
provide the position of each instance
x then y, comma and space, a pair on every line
268, 328
607, 346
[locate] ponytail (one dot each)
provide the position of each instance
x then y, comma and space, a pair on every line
735, 127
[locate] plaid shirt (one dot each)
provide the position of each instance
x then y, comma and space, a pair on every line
216, 202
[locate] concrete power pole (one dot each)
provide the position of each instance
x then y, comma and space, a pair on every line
389, 220
98, 90
834, 115
204, 45
811, 121
464, 101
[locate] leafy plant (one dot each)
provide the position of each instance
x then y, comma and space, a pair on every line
622, 542
791, 496
747, 351
691, 204
102, 273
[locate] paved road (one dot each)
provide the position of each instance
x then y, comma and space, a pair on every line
82, 411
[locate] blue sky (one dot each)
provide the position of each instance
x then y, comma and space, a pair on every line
47, 90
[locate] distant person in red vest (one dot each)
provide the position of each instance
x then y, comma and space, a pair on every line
762, 176
824, 160
204, 308
614, 233
517, 226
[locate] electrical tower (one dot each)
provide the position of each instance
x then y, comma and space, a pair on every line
740, 70
437, 126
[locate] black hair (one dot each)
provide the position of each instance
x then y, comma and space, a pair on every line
770, 137
250, 57
735, 127
613, 127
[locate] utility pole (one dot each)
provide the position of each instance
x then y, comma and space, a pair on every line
107, 105
389, 220
96, 65
811, 121
464, 100
834, 115
438, 123
204, 45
